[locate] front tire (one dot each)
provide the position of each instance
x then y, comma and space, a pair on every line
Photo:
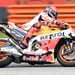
64, 58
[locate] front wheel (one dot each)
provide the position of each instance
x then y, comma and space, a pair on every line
5, 60
66, 55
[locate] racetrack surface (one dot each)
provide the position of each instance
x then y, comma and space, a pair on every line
26, 69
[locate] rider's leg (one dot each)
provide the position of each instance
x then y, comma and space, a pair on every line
32, 32
28, 36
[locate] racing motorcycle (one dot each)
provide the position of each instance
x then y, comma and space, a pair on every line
47, 46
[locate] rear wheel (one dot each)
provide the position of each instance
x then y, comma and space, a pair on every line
5, 60
66, 55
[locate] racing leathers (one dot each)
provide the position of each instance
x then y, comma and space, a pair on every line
44, 19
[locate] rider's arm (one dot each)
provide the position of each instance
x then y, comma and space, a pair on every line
61, 24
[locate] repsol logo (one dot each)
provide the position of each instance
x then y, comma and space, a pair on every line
52, 36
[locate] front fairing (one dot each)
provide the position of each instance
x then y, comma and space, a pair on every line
49, 37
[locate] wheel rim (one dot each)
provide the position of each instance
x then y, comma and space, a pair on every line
67, 58
3, 56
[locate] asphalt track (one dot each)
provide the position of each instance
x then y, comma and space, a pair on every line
26, 69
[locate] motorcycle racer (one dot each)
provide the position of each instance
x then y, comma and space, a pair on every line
47, 17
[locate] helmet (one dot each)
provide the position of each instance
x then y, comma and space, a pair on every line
51, 11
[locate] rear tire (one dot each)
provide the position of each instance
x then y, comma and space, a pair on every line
4, 61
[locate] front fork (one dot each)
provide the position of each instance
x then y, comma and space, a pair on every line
70, 46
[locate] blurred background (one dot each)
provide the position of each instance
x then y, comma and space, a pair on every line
10, 2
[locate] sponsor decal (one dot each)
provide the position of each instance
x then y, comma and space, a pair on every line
52, 36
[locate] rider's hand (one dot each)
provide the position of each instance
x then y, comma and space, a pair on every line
65, 25
61, 24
